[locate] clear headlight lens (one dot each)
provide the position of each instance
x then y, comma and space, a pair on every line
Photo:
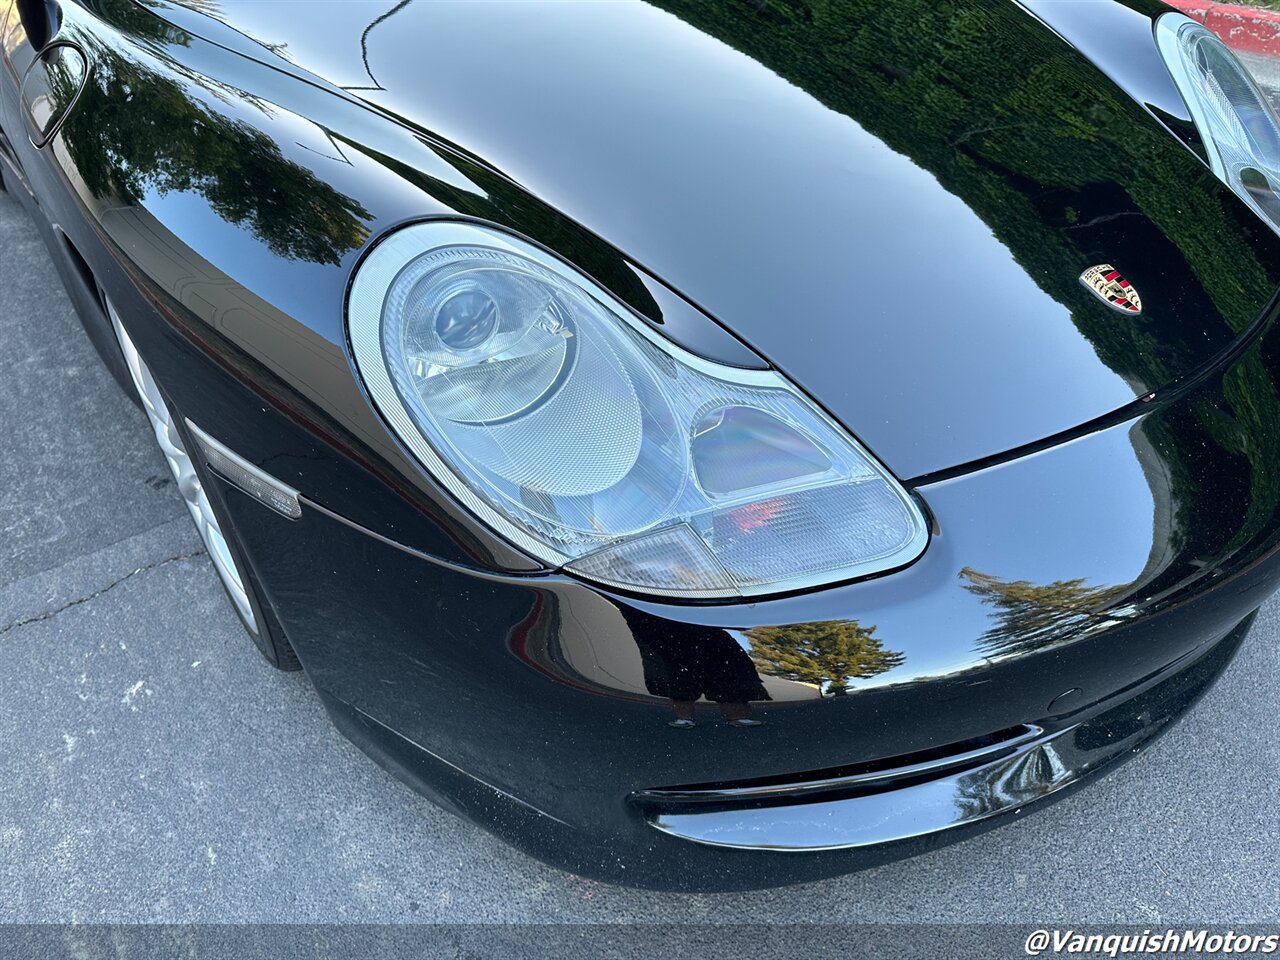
1237, 123
568, 426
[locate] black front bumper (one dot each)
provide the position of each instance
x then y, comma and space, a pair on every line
1072, 603
736, 847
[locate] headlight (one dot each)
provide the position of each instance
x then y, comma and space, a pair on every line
568, 426
1240, 130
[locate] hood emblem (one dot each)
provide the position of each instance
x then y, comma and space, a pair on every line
1112, 289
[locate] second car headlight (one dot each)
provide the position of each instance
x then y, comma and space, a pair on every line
568, 426
1236, 122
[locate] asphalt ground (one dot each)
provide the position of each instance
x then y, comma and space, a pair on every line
154, 769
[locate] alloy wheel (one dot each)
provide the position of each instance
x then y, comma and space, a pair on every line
184, 474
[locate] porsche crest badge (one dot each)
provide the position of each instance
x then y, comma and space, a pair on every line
1112, 289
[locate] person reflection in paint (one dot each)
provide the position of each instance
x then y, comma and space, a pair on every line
685, 662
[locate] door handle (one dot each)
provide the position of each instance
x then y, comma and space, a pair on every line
50, 88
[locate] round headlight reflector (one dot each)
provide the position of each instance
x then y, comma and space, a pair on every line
567, 425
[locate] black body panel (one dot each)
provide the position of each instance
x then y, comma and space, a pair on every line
1095, 550
925, 196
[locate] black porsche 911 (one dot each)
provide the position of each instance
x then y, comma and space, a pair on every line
709, 444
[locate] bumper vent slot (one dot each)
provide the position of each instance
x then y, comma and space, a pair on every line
876, 776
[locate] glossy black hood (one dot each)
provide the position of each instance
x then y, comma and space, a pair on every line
892, 202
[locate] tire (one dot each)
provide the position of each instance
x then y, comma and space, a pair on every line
207, 511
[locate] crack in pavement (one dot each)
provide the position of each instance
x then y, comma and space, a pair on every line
179, 517
50, 614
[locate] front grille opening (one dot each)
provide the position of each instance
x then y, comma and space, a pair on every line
874, 776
